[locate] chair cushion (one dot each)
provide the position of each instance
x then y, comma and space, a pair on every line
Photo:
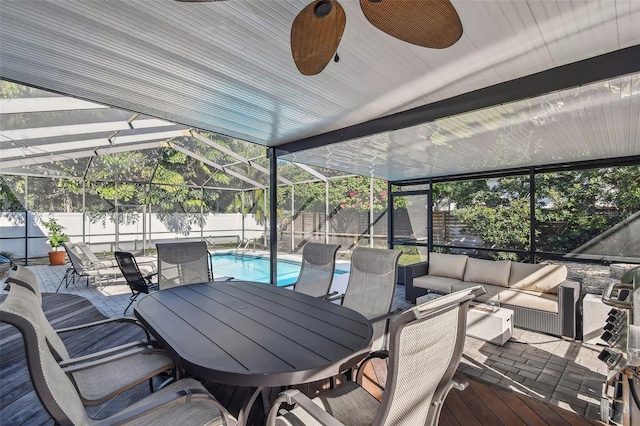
530, 299
520, 271
435, 283
545, 279
447, 265
494, 272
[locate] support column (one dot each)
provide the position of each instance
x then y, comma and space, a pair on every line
243, 213
371, 218
389, 216
273, 215
84, 211
326, 213
26, 220
430, 216
532, 214
293, 206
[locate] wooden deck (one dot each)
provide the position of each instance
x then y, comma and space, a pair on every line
479, 404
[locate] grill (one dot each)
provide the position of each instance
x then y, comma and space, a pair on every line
620, 404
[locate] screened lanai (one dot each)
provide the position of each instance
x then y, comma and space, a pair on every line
121, 180
530, 87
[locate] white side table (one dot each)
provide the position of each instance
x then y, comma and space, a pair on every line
494, 327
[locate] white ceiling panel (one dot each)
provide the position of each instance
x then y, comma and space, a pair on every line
226, 67
596, 121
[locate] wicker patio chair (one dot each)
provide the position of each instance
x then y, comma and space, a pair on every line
318, 266
98, 376
80, 269
372, 288
137, 281
185, 402
183, 263
424, 352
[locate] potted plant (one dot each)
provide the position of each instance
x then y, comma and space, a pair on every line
56, 237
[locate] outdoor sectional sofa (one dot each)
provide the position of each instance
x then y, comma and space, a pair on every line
539, 294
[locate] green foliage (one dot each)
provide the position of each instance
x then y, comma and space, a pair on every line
55, 234
571, 207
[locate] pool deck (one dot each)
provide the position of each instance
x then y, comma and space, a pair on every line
564, 373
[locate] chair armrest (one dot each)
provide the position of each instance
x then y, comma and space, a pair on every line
184, 395
381, 354
125, 320
72, 365
569, 308
328, 295
333, 296
106, 352
295, 397
386, 316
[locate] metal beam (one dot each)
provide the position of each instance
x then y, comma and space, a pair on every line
83, 145
221, 148
610, 65
26, 105
214, 165
311, 171
79, 129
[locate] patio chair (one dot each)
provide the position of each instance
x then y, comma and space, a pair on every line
137, 281
183, 263
80, 269
372, 287
183, 402
99, 376
318, 266
27, 279
424, 352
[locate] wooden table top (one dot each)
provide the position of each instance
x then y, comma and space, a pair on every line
252, 334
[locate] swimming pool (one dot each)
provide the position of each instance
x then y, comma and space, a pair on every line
256, 268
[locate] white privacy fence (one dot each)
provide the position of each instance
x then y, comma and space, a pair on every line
22, 235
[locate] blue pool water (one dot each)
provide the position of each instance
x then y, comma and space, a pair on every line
256, 268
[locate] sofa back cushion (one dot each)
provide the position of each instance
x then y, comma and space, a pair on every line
494, 272
447, 265
544, 278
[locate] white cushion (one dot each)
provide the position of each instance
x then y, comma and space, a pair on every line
545, 279
435, 283
447, 265
520, 271
494, 272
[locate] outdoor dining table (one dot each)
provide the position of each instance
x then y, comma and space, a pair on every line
256, 335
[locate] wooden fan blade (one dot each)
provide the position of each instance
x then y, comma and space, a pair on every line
315, 40
427, 23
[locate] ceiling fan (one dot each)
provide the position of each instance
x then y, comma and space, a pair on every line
317, 30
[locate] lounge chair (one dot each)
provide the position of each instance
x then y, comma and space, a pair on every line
99, 376
148, 263
80, 269
184, 402
372, 287
183, 263
137, 281
318, 267
424, 352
